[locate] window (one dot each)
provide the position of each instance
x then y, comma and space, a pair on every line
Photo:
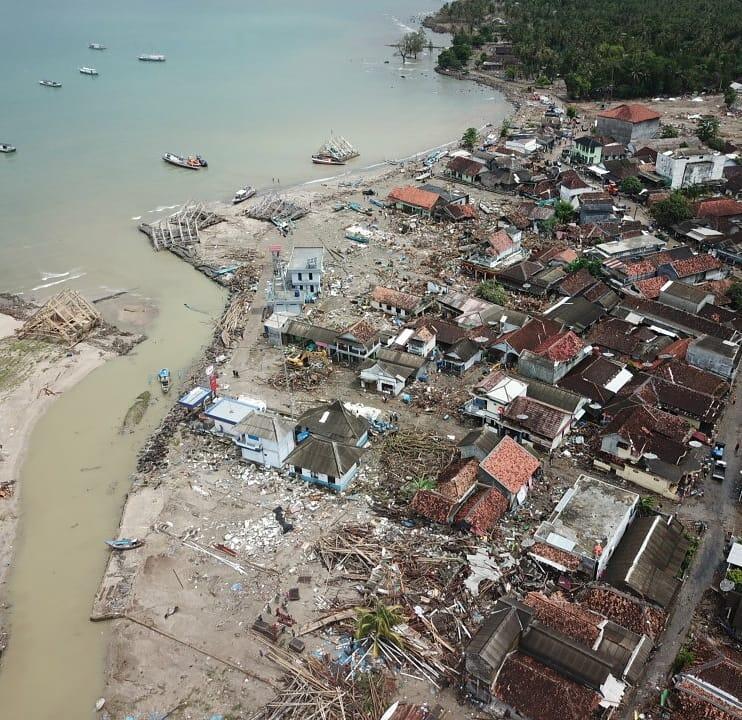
299, 277
311, 288
311, 276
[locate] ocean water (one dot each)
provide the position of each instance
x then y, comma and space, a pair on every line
254, 87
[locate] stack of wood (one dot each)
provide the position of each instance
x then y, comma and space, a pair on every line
232, 324
68, 318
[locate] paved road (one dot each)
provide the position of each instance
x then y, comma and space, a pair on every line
721, 511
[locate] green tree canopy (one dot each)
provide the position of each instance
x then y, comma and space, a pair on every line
631, 186
669, 131
469, 138
492, 291
564, 212
672, 211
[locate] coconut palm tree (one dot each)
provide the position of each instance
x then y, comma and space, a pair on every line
378, 624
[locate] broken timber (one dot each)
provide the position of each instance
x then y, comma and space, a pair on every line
68, 317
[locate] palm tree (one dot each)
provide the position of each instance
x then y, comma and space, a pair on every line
378, 624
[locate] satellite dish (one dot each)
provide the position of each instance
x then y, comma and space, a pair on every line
526, 286
594, 406
726, 585
522, 417
608, 355
695, 444
650, 456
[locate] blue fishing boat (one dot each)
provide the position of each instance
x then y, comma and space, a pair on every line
378, 203
164, 377
125, 543
358, 208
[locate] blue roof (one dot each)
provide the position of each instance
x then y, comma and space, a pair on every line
195, 397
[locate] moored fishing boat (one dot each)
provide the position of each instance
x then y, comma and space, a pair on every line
125, 543
96, 46
88, 71
192, 162
164, 377
50, 83
326, 160
7, 148
244, 193
152, 58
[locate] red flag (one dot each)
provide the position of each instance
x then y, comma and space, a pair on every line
213, 384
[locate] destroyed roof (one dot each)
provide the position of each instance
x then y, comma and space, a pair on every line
431, 505
560, 348
395, 298
335, 422
555, 254
361, 330
569, 618
482, 511
572, 181
633, 113
624, 610
325, 457
651, 430
719, 207
650, 288
695, 265
424, 334
677, 371
577, 282
676, 398
306, 331
537, 418
465, 166
446, 333
264, 425
414, 196
537, 692
593, 377
511, 465
647, 561
456, 480
555, 556
461, 212
499, 242
484, 439
531, 335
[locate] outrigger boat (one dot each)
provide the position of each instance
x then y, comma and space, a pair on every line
192, 162
88, 71
6, 148
244, 193
96, 46
125, 544
336, 151
50, 83
164, 377
152, 58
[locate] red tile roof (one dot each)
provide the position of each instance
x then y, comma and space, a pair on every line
719, 207
462, 212
431, 505
694, 265
577, 282
539, 419
625, 611
561, 557
560, 348
414, 196
568, 618
650, 288
630, 113
511, 464
499, 243
395, 298
536, 691
483, 511
532, 334
362, 330
465, 166
457, 480
679, 372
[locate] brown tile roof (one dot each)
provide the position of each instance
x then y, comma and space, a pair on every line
446, 333
431, 505
465, 166
677, 398
511, 464
625, 611
568, 618
424, 334
719, 288
456, 480
695, 704
572, 181
395, 298
532, 334
677, 349
722, 672
577, 282
561, 557
633, 113
677, 371
414, 196
560, 348
462, 212
540, 693
695, 265
483, 511
650, 288
362, 330
499, 243
719, 207
539, 419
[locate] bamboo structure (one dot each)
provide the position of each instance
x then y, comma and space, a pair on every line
276, 209
182, 228
68, 317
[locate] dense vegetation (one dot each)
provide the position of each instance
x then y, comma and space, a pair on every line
614, 48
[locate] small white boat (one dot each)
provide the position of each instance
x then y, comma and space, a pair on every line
152, 58
50, 83
326, 160
6, 148
244, 193
88, 71
423, 176
96, 46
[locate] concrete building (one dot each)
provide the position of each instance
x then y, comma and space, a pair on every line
226, 413
685, 167
265, 439
685, 297
397, 303
304, 270
587, 524
714, 354
628, 123
634, 247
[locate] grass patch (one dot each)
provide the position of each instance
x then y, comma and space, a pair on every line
19, 357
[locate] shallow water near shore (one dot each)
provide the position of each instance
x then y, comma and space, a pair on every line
255, 88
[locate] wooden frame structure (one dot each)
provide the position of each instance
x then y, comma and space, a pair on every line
182, 228
68, 317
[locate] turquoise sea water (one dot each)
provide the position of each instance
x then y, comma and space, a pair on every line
255, 87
